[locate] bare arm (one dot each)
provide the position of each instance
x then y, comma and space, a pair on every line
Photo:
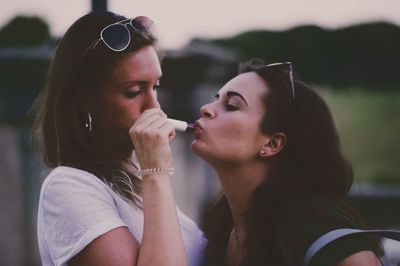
162, 242
366, 258
161, 228
116, 247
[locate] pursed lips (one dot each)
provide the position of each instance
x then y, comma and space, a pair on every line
197, 127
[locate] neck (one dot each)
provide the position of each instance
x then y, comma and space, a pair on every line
238, 183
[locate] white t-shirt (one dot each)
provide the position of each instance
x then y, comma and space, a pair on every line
76, 207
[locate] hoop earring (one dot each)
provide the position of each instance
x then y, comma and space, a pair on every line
88, 122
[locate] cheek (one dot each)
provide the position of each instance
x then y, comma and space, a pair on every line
233, 129
132, 109
240, 137
128, 112
230, 136
121, 113
231, 140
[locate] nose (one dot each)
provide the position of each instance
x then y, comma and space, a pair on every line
151, 100
207, 111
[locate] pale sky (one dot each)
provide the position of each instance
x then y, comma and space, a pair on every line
180, 20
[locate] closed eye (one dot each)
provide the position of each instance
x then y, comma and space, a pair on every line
231, 107
132, 94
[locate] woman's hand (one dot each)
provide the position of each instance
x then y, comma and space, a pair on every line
151, 136
162, 242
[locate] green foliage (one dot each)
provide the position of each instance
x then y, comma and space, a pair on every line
20, 83
368, 123
24, 31
366, 55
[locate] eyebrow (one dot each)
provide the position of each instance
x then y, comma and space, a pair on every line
233, 93
139, 82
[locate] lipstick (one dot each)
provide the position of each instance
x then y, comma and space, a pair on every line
181, 125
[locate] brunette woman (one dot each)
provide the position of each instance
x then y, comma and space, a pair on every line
108, 197
273, 145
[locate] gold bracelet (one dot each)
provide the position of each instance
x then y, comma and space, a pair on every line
142, 173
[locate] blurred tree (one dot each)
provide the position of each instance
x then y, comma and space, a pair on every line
24, 31
364, 55
23, 64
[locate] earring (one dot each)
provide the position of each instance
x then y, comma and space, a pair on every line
262, 152
88, 123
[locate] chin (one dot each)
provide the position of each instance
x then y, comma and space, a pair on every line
194, 146
198, 148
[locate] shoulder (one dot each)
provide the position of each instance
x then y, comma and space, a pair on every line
316, 211
70, 195
75, 207
303, 221
67, 180
69, 190
66, 175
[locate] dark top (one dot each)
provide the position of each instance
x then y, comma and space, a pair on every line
304, 221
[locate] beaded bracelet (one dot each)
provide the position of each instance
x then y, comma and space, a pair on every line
142, 173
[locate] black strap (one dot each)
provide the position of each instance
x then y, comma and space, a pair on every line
331, 236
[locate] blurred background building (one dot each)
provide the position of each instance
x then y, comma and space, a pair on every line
355, 66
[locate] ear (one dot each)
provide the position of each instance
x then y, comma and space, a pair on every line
272, 144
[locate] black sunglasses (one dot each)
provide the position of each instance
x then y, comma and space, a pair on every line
287, 69
117, 37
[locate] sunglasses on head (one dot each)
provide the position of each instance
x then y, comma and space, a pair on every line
117, 36
287, 69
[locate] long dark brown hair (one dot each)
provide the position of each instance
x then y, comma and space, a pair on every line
311, 165
75, 76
